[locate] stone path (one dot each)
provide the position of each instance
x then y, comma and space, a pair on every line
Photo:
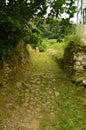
36, 97
33, 96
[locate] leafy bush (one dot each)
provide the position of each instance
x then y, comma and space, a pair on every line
14, 17
42, 47
5, 51
58, 29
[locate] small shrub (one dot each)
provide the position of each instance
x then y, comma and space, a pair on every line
42, 47
59, 40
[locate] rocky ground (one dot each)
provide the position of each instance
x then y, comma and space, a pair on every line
33, 99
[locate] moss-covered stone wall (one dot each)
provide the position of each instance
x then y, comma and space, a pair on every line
74, 61
14, 63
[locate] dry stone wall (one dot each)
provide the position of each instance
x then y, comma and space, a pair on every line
74, 61
14, 63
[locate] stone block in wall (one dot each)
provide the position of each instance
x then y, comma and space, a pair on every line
74, 60
14, 63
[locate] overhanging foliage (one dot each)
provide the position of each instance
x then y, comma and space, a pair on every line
15, 14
